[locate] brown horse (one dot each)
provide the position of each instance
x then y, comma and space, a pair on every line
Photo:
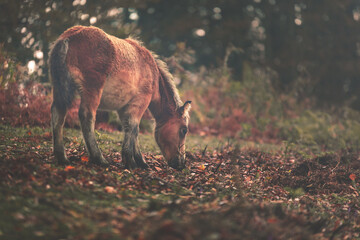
115, 74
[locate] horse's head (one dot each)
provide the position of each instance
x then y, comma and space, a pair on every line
170, 136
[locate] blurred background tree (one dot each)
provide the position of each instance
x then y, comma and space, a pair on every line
312, 46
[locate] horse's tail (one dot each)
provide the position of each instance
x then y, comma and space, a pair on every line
64, 87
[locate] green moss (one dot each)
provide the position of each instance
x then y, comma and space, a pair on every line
295, 193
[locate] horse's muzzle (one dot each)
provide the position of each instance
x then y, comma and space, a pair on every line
178, 162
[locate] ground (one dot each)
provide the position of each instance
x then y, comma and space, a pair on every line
229, 190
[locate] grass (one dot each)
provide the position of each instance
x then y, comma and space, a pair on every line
229, 189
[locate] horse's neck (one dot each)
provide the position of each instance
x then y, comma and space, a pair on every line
162, 105
155, 106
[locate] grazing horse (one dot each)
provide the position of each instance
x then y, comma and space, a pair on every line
115, 74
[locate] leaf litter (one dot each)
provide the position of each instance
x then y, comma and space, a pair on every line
223, 194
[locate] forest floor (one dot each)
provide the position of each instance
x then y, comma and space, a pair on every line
229, 190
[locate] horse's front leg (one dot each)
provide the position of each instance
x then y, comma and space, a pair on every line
131, 153
87, 115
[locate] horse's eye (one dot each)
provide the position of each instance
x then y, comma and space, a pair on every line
183, 131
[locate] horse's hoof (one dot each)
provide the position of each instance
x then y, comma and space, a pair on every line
100, 161
104, 163
130, 165
141, 163
63, 160
144, 165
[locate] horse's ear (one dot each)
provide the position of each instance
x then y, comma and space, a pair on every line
185, 108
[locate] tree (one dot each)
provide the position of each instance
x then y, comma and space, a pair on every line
314, 46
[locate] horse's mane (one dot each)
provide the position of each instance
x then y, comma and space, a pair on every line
166, 80
167, 85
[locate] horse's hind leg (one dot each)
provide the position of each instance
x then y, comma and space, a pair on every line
87, 114
57, 123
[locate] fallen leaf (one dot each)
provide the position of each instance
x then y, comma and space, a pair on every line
68, 168
19, 216
201, 167
352, 177
39, 234
47, 135
110, 189
158, 157
74, 214
158, 169
248, 179
84, 158
272, 220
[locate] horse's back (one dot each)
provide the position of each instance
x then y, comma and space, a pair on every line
132, 75
90, 50
120, 68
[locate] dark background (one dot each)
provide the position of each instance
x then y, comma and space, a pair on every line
313, 47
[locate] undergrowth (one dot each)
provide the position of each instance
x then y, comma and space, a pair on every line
250, 109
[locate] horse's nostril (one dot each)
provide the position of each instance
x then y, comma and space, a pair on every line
178, 163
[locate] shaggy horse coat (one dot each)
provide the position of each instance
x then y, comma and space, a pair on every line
115, 74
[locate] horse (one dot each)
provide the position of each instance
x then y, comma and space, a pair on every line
114, 74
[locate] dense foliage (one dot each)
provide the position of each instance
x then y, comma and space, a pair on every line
313, 46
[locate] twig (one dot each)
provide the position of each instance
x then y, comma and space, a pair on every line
218, 166
338, 163
204, 151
